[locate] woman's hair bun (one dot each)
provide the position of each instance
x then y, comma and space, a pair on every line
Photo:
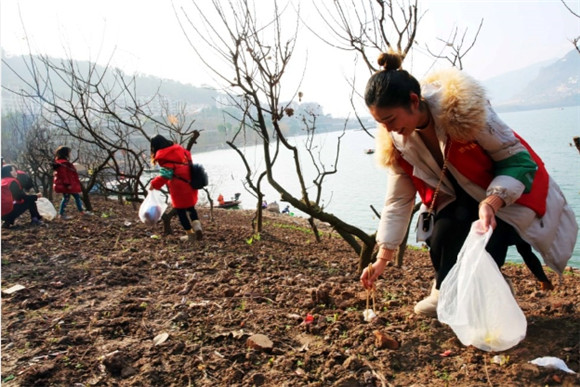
390, 60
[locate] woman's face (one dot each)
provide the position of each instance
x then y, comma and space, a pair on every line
13, 173
401, 120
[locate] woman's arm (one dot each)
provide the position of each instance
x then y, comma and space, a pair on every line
17, 191
397, 210
514, 168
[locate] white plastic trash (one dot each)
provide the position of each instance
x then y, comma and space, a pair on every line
45, 209
552, 362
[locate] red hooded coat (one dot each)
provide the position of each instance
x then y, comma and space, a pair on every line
177, 158
66, 178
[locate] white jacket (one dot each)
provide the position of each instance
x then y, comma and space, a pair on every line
461, 111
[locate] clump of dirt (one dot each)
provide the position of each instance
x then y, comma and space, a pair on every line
110, 302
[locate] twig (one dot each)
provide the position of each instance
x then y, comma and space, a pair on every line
485, 367
377, 374
371, 292
117, 241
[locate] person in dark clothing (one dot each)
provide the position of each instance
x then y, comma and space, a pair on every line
15, 201
25, 180
532, 262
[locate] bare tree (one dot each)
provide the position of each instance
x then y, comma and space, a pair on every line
575, 41
373, 26
369, 27
29, 145
98, 109
252, 58
456, 46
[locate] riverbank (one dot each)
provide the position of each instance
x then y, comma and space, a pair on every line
108, 301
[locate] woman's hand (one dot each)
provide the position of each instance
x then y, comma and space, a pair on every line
487, 210
486, 217
368, 278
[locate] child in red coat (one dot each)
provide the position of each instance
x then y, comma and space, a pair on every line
174, 160
66, 181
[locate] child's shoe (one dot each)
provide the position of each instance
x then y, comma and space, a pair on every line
64, 217
189, 236
198, 230
86, 213
36, 222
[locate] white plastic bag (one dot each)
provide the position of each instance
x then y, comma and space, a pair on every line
45, 209
152, 208
476, 301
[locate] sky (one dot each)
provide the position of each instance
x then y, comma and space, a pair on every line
144, 37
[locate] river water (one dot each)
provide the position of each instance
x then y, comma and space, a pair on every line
359, 183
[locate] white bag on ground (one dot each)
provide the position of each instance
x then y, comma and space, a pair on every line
476, 301
152, 208
45, 209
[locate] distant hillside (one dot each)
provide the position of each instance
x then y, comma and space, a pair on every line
146, 85
217, 122
505, 87
542, 85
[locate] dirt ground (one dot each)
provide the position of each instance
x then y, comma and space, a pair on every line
108, 301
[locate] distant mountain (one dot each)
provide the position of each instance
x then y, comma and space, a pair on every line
147, 86
542, 85
505, 87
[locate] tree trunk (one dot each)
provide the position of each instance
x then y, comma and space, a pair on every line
86, 200
314, 229
366, 256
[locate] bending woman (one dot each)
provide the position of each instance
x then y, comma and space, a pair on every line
443, 141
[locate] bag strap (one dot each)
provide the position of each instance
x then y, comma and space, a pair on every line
443, 170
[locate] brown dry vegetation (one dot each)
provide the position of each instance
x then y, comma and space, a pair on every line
102, 293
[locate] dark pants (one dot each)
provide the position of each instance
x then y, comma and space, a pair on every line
451, 227
20, 208
65, 200
183, 219
531, 260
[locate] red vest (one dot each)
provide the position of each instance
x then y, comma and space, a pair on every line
473, 162
7, 198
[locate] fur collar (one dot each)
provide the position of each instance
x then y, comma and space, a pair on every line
457, 103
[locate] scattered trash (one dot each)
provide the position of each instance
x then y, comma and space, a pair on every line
446, 353
552, 362
369, 315
127, 224
45, 209
13, 289
160, 338
155, 236
309, 319
500, 359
